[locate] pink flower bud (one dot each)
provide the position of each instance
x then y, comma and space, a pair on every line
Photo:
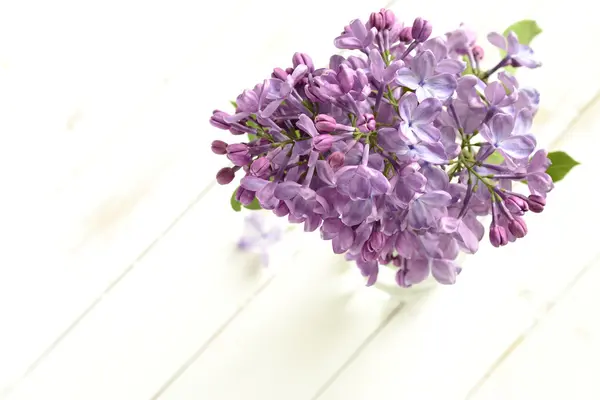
346, 77
518, 227
244, 196
421, 30
225, 175
405, 34
239, 154
325, 123
217, 120
261, 167
367, 254
301, 58
323, 142
279, 74
376, 242
384, 19
478, 53
516, 205
219, 147
236, 131
336, 160
498, 236
366, 123
281, 210
536, 203
376, 21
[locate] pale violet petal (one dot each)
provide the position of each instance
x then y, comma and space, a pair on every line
497, 40
407, 78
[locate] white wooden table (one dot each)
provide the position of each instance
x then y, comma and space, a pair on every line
119, 278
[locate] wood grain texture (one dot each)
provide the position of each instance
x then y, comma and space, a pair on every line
118, 279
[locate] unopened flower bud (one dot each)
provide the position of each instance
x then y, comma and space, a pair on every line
366, 123
336, 160
219, 147
247, 101
236, 131
217, 120
323, 142
281, 210
401, 278
385, 260
261, 167
239, 154
225, 175
421, 30
384, 19
301, 58
367, 254
376, 242
405, 34
244, 196
478, 53
345, 77
279, 74
516, 205
314, 94
518, 227
325, 123
498, 236
536, 203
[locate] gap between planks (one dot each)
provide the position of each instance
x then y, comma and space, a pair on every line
566, 290
32, 367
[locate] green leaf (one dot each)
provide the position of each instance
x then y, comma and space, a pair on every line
496, 158
525, 30
252, 124
251, 137
234, 104
254, 205
510, 70
236, 205
562, 163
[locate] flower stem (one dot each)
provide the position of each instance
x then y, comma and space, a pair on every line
501, 64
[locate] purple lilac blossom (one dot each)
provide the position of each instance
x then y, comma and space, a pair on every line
386, 152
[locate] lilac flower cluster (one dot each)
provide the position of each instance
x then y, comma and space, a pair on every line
389, 152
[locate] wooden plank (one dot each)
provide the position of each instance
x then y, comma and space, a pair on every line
73, 287
142, 331
291, 339
560, 358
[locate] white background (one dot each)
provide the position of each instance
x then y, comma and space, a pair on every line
119, 278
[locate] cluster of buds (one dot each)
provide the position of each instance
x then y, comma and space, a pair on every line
391, 152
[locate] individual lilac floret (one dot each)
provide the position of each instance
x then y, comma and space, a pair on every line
498, 133
259, 236
538, 180
421, 30
421, 78
360, 181
417, 119
521, 53
356, 36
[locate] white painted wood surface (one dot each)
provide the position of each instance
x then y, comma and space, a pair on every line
118, 273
